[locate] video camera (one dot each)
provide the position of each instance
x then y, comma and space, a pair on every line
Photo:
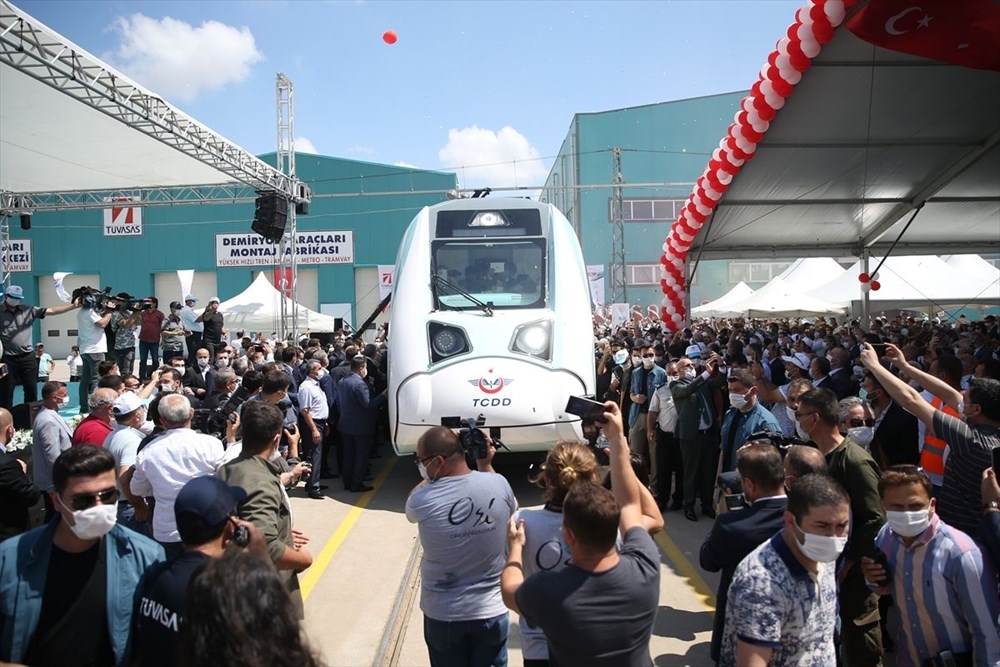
91, 297
473, 439
731, 479
214, 422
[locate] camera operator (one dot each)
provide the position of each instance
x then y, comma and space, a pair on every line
91, 320
123, 323
19, 363
735, 534
462, 517
212, 327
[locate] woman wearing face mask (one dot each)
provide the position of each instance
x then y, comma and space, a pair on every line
84, 551
793, 571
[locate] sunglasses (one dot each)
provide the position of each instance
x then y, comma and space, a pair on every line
82, 501
856, 423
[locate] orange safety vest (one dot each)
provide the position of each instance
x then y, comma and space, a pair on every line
932, 456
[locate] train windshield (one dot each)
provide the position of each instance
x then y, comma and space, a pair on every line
510, 274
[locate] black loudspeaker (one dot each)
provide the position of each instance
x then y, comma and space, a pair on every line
25, 413
25, 221
270, 216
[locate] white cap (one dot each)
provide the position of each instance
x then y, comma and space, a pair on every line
693, 351
799, 359
126, 403
190, 297
214, 299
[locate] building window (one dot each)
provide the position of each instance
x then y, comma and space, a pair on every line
646, 210
647, 274
755, 272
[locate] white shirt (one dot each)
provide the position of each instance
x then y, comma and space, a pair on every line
312, 398
165, 465
75, 361
90, 337
663, 404
188, 317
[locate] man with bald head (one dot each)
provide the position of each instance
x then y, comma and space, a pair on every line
17, 492
96, 426
462, 517
802, 460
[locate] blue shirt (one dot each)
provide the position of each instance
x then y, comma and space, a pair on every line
944, 593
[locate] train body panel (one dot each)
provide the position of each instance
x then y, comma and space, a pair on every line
490, 319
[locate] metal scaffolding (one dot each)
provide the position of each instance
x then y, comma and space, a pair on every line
288, 259
619, 281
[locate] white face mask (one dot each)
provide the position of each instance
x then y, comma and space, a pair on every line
621, 356
636, 361
203, 362
673, 378
690, 373
908, 524
647, 363
64, 401
94, 522
166, 387
821, 548
738, 401
423, 472
658, 358
320, 373
790, 412
862, 435
13, 303
222, 363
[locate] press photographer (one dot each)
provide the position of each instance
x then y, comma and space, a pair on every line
96, 309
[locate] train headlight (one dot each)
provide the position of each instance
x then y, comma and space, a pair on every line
446, 341
534, 338
489, 219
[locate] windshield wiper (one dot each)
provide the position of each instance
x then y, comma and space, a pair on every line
487, 307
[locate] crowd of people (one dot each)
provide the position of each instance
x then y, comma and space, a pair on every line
847, 475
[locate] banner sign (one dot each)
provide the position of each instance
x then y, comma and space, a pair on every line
319, 247
123, 220
595, 274
283, 280
17, 256
386, 273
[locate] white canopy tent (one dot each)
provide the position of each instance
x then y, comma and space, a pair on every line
811, 272
973, 265
258, 308
913, 281
718, 308
779, 299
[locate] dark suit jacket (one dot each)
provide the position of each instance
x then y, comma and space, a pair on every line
840, 383
193, 378
732, 538
989, 534
688, 404
18, 494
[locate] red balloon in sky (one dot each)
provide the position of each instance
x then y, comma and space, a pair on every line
389, 37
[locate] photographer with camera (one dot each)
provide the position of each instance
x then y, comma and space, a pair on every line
461, 515
213, 325
96, 310
123, 323
19, 364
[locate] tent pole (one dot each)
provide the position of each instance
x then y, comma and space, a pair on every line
866, 323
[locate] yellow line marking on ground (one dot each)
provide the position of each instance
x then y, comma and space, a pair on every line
686, 570
311, 577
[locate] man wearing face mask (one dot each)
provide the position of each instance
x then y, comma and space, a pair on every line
661, 424
956, 608
462, 517
50, 437
782, 603
73, 597
200, 378
358, 416
857, 472
16, 326
896, 439
645, 381
857, 422
314, 410
618, 364
746, 416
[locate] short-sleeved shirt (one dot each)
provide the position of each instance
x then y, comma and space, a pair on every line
152, 322
175, 342
43, 364
90, 337
776, 603
123, 443
598, 618
971, 450
313, 400
189, 316
462, 522
544, 551
662, 403
212, 328
124, 334
91, 431
16, 328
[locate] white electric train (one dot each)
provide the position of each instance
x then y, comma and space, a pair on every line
490, 319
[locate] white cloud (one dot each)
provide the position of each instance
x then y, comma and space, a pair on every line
179, 60
482, 157
361, 150
303, 145
405, 165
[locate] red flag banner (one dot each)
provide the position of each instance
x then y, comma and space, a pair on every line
283, 281
960, 32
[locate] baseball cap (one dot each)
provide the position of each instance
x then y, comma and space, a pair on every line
693, 352
799, 359
209, 499
15, 292
176, 305
190, 297
126, 403
214, 299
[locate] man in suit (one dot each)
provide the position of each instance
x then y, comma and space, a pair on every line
842, 383
736, 534
50, 437
695, 427
266, 505
358, 415
226, 383
17, 492
200, 378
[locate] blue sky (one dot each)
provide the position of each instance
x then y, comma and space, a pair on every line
467, 84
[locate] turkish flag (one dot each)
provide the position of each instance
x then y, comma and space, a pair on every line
283, 281
960, 32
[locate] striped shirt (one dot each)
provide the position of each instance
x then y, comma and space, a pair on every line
944, 593
961, 501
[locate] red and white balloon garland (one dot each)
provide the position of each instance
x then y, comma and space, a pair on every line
793, 54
